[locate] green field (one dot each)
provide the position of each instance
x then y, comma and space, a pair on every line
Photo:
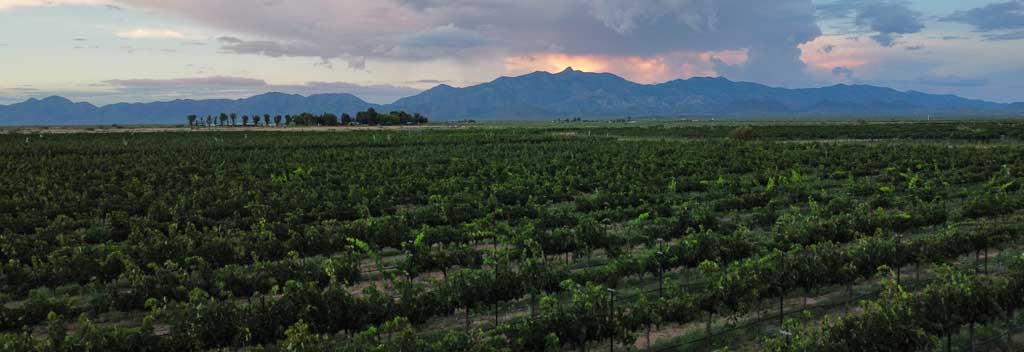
664, 236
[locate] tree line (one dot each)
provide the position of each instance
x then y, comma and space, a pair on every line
369, 117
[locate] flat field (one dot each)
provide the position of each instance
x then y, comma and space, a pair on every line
666, 236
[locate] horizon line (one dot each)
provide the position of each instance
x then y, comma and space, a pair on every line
568, 69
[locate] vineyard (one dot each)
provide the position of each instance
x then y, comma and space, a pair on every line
645, 237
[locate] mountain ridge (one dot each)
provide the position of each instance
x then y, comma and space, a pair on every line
541, 95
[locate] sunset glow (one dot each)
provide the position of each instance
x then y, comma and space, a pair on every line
635, 68
829, 52
970, 48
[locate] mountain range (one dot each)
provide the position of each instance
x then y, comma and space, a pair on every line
542, 96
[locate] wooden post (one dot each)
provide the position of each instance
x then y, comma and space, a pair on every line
782, 315
661, 280
899, 258
977, 259
648, 336
949, 341
974, 347
782, 290
986, 260
707, 332
611, 319
1009, 330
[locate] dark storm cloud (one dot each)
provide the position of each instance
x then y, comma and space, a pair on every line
888, 19
1001, 16
397, 30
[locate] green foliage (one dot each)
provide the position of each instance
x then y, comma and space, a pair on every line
267, 240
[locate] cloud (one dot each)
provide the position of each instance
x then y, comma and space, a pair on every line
430, 81
215, 81
947, 81
842, 72
914, 47
150, 33
999, 21
635, 68
448, 36
885, 39
12, 4
626, 16
239, 87
1005, 36
230, 40
890, 20
474, 31
1000, 16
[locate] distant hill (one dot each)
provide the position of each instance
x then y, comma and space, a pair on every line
542, 95
60, 111
573, 93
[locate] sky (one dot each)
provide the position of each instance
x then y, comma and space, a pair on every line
106, 51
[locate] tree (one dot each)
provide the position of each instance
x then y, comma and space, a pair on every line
224, 117
223, 120
245, 120
209, 120
329, 119
742, 133
233, 118
256, 120
266, 119
191, 120
288, 120
277, 120
346, 119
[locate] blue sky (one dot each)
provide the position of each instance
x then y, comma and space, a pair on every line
105, 51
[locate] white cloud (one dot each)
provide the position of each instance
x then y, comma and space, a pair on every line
150, 33
10, 4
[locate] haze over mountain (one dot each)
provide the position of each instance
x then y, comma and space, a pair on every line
542, 96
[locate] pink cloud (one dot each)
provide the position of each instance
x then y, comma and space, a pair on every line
826, 53
655, 69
